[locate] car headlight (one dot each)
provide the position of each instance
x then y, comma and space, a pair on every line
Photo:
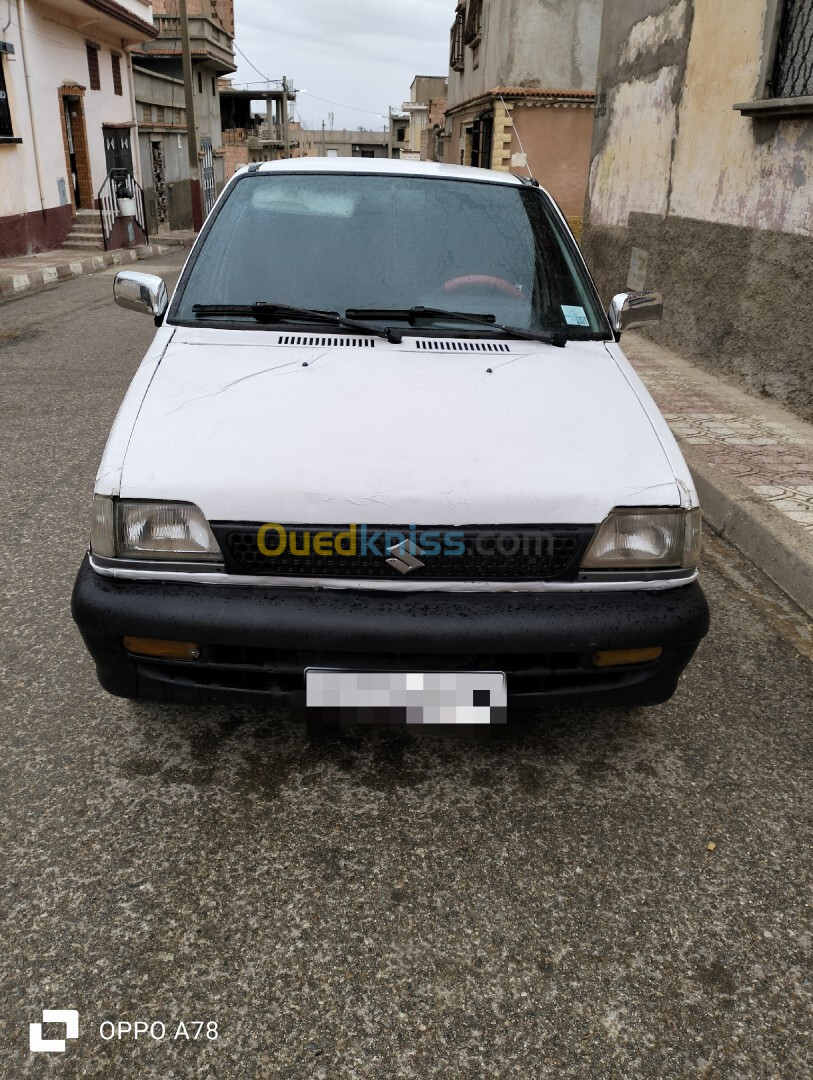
646, 540
130, 529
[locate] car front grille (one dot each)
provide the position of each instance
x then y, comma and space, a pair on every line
507, 553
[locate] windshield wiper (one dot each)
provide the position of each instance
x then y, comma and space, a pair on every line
550, 337
263, 312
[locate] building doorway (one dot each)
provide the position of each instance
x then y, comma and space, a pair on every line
207, 175
159, 184
76, 151
482, 140
118, 153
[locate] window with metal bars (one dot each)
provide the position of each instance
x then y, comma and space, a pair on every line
793, 65
117, 89
474, 23
6, 128
456, 60
93, 67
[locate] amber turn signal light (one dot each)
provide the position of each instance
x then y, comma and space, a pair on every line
162, 650
620, 657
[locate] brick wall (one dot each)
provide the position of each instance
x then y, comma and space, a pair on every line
234, 157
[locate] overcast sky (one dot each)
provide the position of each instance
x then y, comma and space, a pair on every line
361, 53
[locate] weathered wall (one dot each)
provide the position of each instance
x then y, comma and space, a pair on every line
176, 177
222, 11
546, 43
735, 299
640, 77
721, 203
556, 141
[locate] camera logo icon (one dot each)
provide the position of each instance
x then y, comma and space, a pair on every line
68, 1017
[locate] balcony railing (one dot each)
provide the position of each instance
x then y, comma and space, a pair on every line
204, 35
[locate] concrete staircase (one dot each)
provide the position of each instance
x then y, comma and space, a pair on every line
86, 234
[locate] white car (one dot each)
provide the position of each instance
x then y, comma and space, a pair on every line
386, 452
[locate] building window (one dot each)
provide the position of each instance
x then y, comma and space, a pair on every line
116, 74
214, 86
200, 83
793, 66
474, 23
6, 129
160, 117
456, 61
93, 66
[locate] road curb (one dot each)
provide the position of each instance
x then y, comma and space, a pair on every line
780, 548
20, 284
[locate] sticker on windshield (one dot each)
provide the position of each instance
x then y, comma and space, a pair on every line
575, 316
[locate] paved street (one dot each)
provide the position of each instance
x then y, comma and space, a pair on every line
610, 895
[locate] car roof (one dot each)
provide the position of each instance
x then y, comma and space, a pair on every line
386, 167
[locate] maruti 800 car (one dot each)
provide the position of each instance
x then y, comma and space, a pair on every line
386, 429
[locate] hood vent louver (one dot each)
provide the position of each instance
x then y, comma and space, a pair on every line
327, 342
444, 345
428, 344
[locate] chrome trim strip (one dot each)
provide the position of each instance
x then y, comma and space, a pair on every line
105, 568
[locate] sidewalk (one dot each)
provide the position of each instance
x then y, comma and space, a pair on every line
24, 273
751, 459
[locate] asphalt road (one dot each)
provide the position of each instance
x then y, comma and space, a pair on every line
619, 894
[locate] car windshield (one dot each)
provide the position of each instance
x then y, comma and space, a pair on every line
377, 246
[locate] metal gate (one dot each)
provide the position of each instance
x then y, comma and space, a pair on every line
208, 175
159, 183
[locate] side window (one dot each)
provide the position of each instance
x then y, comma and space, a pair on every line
793, 64
117, 87
6, 128
456, 58
474, 23
93, 67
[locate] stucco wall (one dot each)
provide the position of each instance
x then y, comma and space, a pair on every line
722, 204
556, 141
56, 55
546, 43
672, 143
735, 298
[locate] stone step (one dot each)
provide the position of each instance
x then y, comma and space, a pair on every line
86, 230
85, 245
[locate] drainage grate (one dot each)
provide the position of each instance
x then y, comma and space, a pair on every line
441, 345
327, 342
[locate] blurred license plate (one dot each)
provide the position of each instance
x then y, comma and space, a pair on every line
410, 697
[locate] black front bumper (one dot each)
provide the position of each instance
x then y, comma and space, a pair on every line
256, 642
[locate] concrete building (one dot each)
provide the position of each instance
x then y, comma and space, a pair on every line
521, 90
399, 132
67, 113
159, 90
345, 143
425, 109
702, 180
257, 135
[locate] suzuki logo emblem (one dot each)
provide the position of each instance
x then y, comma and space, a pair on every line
403, 557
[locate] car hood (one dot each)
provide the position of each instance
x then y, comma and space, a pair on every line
252, 428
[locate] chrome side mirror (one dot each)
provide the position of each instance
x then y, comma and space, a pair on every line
141, 292
631, 309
